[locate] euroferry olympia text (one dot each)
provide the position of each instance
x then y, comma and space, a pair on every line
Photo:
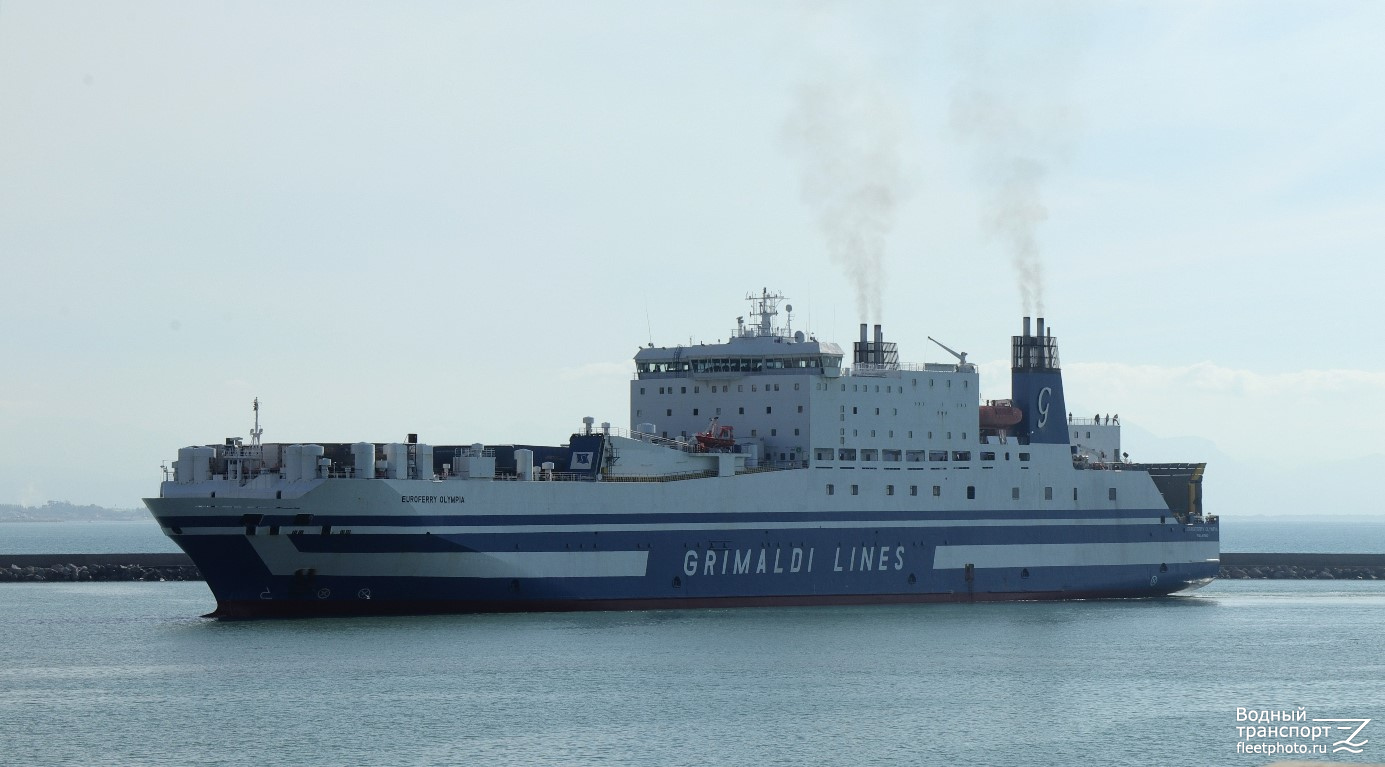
766, 470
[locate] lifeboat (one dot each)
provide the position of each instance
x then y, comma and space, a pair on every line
717, 437
1000, 414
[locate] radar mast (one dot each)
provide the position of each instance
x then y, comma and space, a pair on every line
766, 307
257, 431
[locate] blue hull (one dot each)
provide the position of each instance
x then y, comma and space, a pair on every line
905, 559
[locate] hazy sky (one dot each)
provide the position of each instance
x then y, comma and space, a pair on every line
462, 219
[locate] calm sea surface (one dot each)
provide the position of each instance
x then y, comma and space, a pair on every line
127, 674
1238, 534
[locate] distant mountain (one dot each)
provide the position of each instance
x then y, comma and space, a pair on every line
62, 511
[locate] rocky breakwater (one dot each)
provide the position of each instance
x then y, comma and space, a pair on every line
1349, 567
39, 568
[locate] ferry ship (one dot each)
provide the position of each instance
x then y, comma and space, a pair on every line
766, 470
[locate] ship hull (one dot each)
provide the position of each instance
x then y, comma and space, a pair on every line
336, 551
255, 609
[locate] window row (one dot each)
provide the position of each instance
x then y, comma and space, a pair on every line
971, 491
723, 389
668, 412
892, 389
738, 364
869, 454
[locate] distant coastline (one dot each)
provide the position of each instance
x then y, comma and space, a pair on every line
62, 511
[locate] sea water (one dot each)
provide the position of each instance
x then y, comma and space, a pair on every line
141, 536
127, 674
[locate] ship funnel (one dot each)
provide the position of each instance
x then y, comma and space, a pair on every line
1036, 387
879, 346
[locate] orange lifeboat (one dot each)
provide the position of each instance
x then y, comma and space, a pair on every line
717, 437
1000, 414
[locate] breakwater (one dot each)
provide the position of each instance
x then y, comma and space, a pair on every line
38, 568
178, 567
1357, 567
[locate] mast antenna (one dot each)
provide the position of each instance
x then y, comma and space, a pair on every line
766, 307
257, 431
